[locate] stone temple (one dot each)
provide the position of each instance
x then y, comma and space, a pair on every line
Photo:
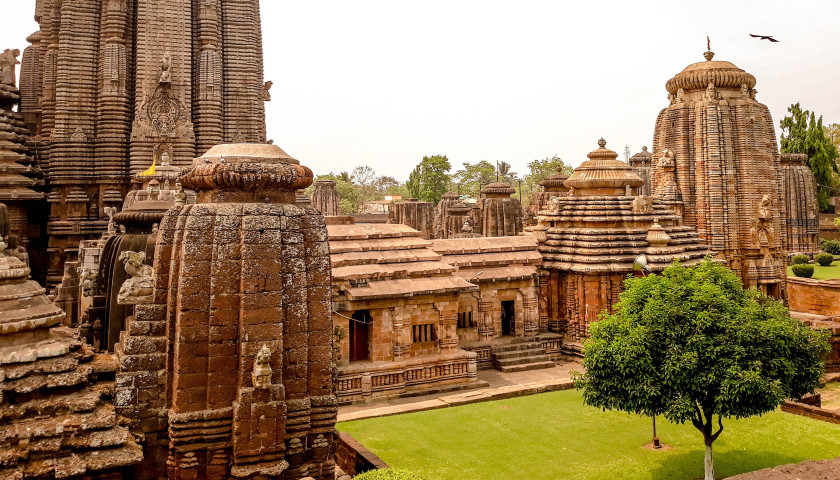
727, 173
109, 86
590, 239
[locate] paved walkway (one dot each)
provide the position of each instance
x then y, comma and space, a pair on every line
500, 385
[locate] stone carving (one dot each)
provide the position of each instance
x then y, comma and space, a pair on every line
642, 204
8, 65
261, 373
339, 333
87, 280
163, 114
166, 69
764, 212
745, 91
267, 91
801, 206
139, 287
711, 92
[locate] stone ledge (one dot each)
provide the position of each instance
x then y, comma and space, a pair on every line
466, 398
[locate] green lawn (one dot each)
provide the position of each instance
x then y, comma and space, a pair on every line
822, 273
554, 436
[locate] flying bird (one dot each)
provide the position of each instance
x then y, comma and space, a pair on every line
764, 37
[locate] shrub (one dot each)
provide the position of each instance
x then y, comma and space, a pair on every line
388, 474
804, 271
824, 259
831, 246
801, 259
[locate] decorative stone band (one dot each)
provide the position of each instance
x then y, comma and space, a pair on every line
248, 176
721, 74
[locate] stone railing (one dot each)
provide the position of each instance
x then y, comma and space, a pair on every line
360, 382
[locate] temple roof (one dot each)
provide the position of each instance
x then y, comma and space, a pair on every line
373, 261
555, 182
603, 170
698, 76
643, 158
491, 258
498, 188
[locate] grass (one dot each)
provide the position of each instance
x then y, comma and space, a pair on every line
553, 436
822, 273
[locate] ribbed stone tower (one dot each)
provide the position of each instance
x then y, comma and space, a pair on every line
325, 198
801, 206
590, 239
234, 351
727, 167
501, 215
416, 214
109, 86
641, 162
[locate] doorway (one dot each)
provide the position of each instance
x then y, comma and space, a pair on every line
508, 317
360, 335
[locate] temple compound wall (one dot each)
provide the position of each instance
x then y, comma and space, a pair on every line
226, 368
108, 87
727, 170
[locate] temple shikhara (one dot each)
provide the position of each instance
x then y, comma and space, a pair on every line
176, 302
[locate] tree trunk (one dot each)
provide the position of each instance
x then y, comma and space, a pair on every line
709, 463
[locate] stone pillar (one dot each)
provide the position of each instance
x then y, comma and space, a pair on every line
486, 323
415, 214
448, 336
325, 198
530, 304
401, 338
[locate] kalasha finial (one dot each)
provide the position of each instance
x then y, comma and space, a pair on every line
602, 143
709, 53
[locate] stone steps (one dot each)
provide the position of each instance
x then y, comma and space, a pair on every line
520, 355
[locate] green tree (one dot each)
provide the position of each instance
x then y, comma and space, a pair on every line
539, 170
691, 344
505, 173
430, 179
474, 176
802, 132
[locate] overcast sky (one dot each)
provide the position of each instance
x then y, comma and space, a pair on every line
382, 83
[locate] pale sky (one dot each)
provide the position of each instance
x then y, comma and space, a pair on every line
383, 82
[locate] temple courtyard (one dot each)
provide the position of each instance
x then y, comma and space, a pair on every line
553, 435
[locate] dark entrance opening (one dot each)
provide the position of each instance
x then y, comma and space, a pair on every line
508, 316
360, 335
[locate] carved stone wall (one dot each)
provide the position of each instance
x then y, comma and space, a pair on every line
727, 167
801, 206
109, 86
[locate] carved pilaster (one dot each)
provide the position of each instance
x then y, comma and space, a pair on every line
486, 325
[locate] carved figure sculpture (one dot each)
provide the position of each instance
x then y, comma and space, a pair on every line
8, 64
261, 374
764, 207
166, 69
266, 91
139, 287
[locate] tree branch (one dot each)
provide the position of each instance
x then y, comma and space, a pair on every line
720, 424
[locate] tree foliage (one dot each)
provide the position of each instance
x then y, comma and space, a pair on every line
802, 132
539, 170
430, 179
691, 344
473, 176
360, 186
